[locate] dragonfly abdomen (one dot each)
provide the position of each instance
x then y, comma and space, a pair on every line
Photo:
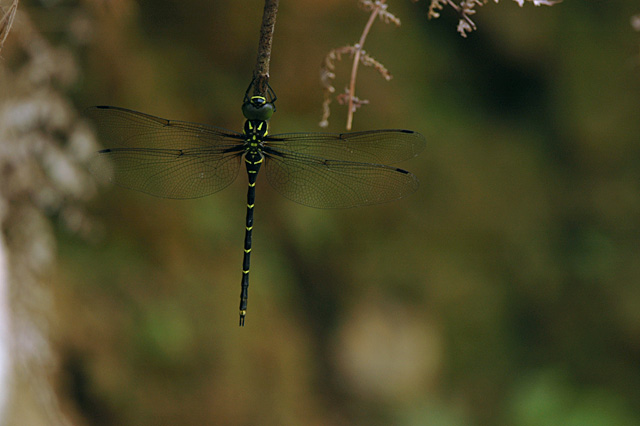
253, 161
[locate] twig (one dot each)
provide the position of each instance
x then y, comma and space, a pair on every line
261, 72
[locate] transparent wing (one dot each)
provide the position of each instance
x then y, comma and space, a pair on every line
132, 129
326, 183
372, 146
167, 173
164, 158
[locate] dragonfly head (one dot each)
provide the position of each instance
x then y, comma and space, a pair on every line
257, 108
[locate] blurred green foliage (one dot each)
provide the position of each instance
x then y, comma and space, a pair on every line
506, 291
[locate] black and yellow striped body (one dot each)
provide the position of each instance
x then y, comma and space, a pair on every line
255, 131
177, 159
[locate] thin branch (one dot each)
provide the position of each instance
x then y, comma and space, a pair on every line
261, 72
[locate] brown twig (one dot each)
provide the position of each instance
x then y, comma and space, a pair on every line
261, 72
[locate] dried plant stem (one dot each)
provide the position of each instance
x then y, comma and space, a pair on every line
261, 72
356, 61
378, 8
467, 8
6, 21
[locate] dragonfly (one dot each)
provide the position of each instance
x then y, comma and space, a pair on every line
183, 160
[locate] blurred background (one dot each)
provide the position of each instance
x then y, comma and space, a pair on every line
504, 292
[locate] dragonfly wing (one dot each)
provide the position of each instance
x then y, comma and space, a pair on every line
167, 173
132, 129
165, 158
323, 183
372, 146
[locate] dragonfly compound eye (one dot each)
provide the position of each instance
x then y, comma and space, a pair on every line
258, 109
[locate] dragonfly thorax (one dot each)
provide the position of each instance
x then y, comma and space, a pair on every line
255, 130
